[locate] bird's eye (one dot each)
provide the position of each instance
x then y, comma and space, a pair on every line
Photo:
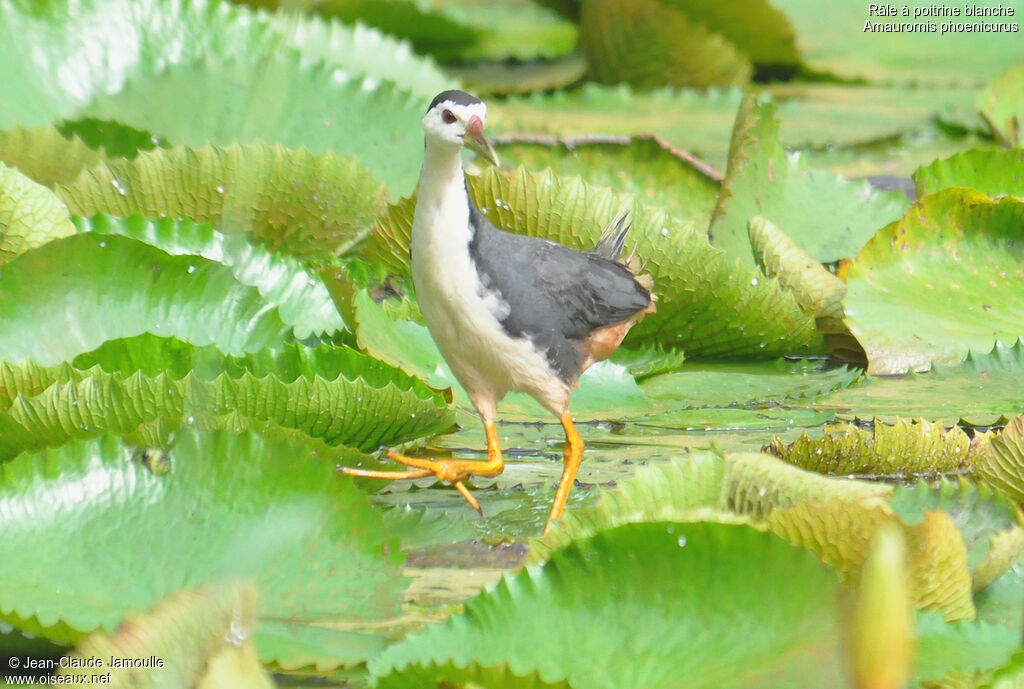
448, 117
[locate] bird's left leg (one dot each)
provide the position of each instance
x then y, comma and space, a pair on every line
571, 459
454, 471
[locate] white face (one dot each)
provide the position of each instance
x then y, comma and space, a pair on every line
446, 122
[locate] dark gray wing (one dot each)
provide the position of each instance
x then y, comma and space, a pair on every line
556, 296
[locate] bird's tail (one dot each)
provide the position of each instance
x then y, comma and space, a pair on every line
612, 239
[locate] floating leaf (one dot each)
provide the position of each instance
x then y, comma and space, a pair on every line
199, 637
88, 41
964, 647
748, 383
646, 362
487, 78
826, 216
905, 448
996, 173
310, 206
231, 506
1002, 105
30, 215
679, 600
646, 167
110, 286
298, 293
847, 41
818, 292
45, 155
833, 518
702, 292
670, 42
650, 43
689, 120
706, 485
464, 31
987, 521
1005, 548
1002, 463
820, 115
939, 282
295, 645
313, 106
354, 412
981, 390
757, 28
155, 355
1010, 676
840, 534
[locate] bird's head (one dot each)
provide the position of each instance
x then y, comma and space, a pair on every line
456, 119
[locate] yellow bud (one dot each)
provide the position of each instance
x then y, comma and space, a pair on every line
882, 637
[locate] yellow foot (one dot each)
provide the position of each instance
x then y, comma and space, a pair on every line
453, 471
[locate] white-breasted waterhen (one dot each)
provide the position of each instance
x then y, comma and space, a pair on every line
508, 312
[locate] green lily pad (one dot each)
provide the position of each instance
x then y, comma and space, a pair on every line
703, 486
344, 409
646, 362
89, 39
30, 215
1002, 105
45, 155
487, 78
298, 293
677, 601
646, 167
154, 355
996, 173
817, 291
833, 518
464, 31
826, 216
982, 390
317, 106
660, 42
310, 206
749, 384
1001, 464
748, 426
294, 645
230, 507
983, 517
1011, 675
903, 449
823, 116
202, 636
939, 282
838, 40
708, 304
108, 286
955, 648
688, 119
649, 43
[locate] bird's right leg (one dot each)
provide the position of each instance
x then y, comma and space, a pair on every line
454, 471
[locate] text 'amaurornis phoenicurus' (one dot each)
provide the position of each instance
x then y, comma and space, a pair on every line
508, 312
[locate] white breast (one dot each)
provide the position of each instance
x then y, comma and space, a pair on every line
462, 313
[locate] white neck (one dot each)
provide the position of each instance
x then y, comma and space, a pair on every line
442, 213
